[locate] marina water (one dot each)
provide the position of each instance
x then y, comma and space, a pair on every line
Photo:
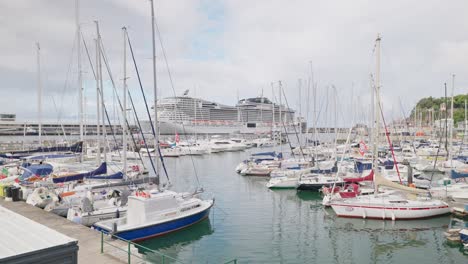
253, 224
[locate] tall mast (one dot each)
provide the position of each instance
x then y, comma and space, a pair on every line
377, 104
98, 112
466, 124
273, 124
280, 115
299, 84
156, 126
453, 121
80, 77
124, 107
446, 120
101, 91
39, 92
315, 117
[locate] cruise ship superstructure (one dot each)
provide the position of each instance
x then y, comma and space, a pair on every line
189, 115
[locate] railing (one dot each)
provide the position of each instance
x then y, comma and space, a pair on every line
150, 255
147, 255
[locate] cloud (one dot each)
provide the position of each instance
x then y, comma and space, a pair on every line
240, 47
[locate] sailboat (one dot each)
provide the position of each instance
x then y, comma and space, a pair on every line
156, 212
408, 203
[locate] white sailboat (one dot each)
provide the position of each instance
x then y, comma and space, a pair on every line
409, 203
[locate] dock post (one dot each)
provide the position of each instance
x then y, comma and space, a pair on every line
102, 242
162, 259
129, 253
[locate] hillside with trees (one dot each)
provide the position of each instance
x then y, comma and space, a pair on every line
424, 106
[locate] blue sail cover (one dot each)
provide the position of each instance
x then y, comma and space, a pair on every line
273, 154
76, 148
80, 176
116, 176
458, 175
40, 170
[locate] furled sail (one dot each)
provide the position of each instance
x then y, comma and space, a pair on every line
381, 181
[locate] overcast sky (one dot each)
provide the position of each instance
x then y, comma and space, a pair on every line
221, 49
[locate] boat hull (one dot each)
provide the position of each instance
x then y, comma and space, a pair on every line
151, 231
390, 213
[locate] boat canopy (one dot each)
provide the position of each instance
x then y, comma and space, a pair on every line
40, 170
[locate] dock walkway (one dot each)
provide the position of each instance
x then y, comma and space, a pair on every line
89, 241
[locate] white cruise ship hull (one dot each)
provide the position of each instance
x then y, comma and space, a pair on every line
171, 128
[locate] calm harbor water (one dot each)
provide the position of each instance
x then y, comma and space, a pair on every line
253, 224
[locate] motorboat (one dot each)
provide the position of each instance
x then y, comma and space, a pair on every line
155, 213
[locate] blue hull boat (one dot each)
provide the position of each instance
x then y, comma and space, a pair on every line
148, 232
155, 214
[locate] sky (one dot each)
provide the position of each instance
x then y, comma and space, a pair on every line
222, 50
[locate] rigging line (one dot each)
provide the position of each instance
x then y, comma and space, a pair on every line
407, 125
118, 99
284, 126
59, 118
104, 104
173, 90
143, 136
388, 135
109, 73
438, 149
146, 106
295, 132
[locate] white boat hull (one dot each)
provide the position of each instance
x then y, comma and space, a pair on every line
345, 208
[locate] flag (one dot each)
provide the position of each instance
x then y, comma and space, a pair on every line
362, 148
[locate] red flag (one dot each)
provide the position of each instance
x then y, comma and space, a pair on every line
177, 138
362, 148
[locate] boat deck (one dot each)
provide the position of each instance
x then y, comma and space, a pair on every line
89, 241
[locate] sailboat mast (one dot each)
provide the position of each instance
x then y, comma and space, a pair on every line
273, 124
39, 92
80, 76
124, 107
155, 87
280, 116
101, 91
98, 112
377, 103
453, 121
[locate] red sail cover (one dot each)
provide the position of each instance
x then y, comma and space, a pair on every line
369, 177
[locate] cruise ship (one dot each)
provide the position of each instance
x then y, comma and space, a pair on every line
259, 115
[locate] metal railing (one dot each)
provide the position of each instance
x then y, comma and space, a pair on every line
147, 255
144, 254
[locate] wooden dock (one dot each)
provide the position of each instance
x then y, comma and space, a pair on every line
89, 241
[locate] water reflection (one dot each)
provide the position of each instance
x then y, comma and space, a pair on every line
173, 243
258, 225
